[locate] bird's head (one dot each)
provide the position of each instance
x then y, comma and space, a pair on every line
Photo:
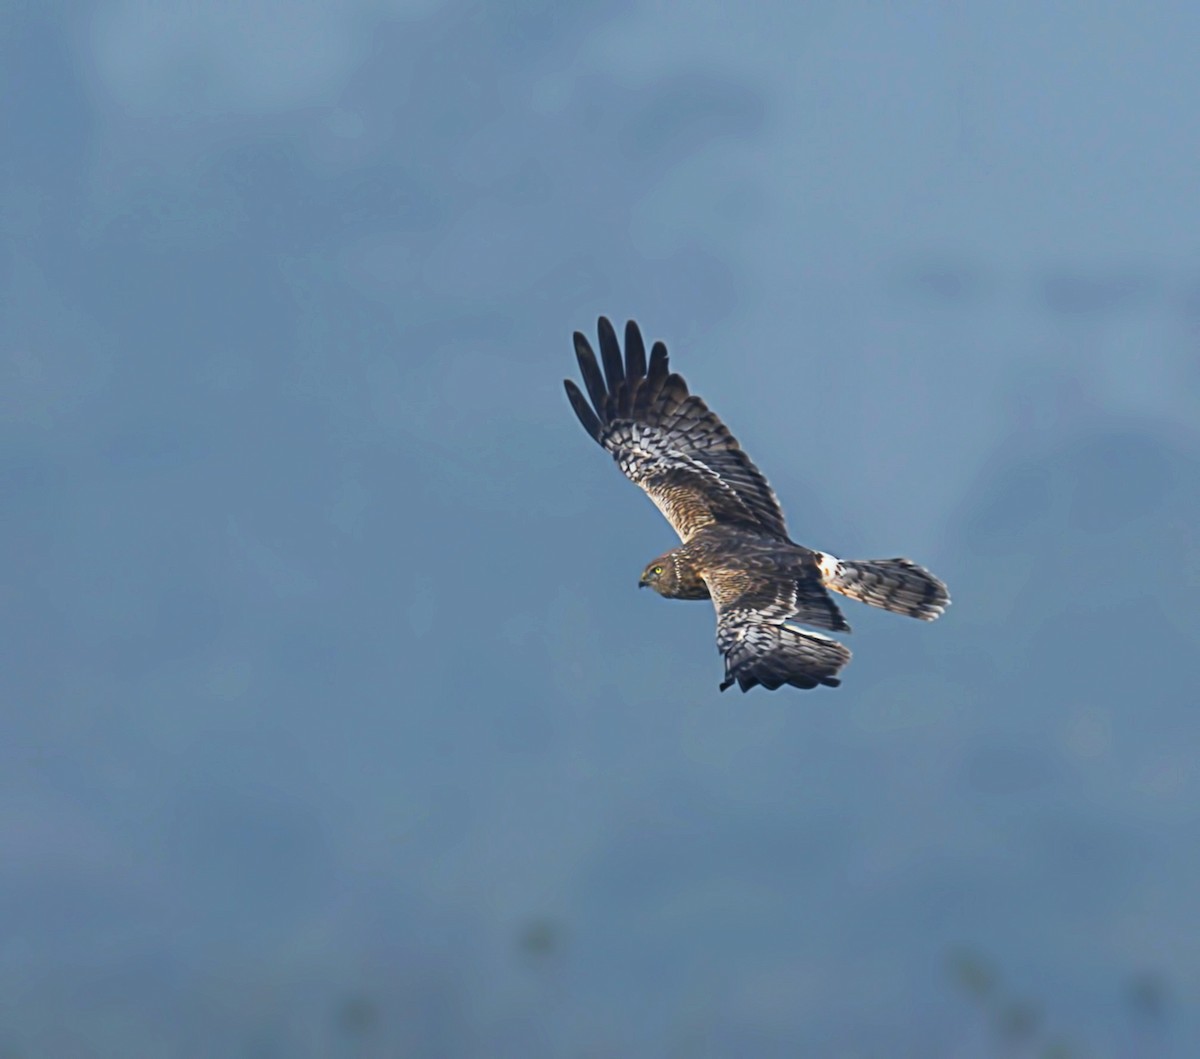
660, 575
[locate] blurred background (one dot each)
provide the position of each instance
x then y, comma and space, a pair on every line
333, 723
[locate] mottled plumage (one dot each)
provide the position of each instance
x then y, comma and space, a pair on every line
735, 550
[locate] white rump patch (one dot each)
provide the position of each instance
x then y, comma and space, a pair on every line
828, 565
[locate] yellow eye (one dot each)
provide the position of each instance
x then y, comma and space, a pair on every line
657, 570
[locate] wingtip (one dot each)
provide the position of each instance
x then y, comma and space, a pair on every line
610, 356
660, 361
583, 411
635, 353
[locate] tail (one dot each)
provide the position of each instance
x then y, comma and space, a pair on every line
898, 585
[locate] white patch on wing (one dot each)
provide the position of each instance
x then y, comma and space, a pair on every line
809, 632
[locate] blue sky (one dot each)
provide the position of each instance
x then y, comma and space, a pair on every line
327, 675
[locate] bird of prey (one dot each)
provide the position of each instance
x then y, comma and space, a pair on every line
736, 550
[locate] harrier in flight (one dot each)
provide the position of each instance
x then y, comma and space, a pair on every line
735, 550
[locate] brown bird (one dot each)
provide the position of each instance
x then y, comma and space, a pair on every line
736, 550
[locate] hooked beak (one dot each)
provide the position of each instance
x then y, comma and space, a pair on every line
642, 582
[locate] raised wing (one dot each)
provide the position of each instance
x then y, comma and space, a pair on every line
759, 645
667, 440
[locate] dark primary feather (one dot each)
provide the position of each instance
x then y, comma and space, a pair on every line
610, 352
635, 351
667, 440
592, 378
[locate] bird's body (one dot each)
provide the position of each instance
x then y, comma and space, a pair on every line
736, 550
742, 555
